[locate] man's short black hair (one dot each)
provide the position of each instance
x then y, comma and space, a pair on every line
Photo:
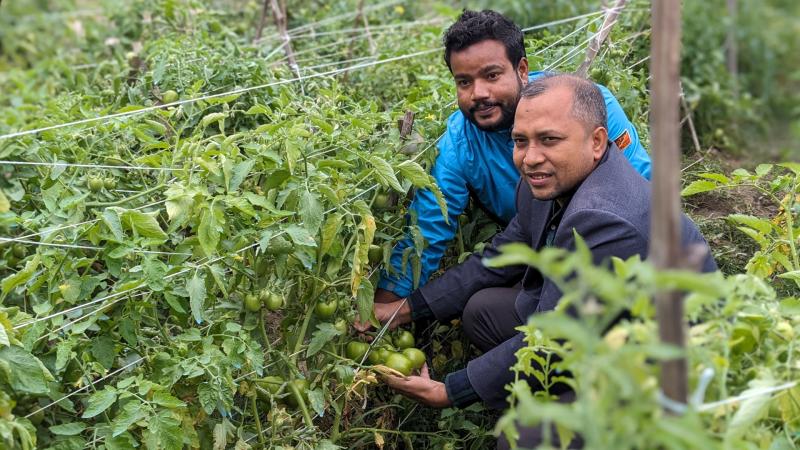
588, 104
473, 27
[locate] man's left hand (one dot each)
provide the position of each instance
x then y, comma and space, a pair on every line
420, 388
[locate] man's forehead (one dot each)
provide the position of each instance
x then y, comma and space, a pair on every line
482, 54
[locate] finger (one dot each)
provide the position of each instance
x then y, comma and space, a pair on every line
424, 372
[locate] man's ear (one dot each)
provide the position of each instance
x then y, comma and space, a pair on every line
599, 142
522, 70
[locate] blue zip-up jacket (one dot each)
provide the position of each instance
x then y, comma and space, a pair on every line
479, 163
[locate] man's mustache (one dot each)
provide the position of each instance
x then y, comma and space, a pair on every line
482, 105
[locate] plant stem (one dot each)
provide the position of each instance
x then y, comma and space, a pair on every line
254, 406
301, 402
126, 199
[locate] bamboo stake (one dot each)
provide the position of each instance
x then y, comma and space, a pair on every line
665, 223
597, 42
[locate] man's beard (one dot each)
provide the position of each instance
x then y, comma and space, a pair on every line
507, 112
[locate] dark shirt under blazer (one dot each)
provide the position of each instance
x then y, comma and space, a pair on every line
610, 210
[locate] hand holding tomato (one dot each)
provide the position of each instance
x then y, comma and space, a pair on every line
420, 388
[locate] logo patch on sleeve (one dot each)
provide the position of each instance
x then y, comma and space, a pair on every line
623, 141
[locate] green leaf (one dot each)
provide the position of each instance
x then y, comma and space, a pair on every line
166, 400
5, 205
718, 177
143, 224
364, 300
131, 413
330, 232
154, 272
99, 402
762, 225
793, 166
325, 332
316, 398
763, 169
111, 219
208, 232
793, 275
440, 201
103, 351
12, 281
240, 172
300, 236
697, 187
164, 432
208, 119
23, 371
750, 410
68, 429
385, 173
414, 173
196, 287
310, 212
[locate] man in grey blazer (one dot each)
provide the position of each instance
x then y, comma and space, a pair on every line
573, 178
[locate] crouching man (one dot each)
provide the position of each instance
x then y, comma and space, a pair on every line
573, 178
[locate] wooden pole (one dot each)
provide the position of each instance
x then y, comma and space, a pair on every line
597, 42
279, 14
665, 223
731, 48
261, 21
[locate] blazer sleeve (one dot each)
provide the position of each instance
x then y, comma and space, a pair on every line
447, 295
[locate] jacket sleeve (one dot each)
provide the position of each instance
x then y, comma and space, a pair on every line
623, 133
447, 295
436, 231
606, 235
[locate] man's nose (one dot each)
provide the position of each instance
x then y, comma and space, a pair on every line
533, 156
480, 90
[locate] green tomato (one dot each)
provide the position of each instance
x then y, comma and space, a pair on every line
325, 310
381, 201
274, 302
271, 384
404, 339
399, 363
279, 245
252, 303
95, 184
301, 385
375, 254
356, 350
169, 96
378, 355
416, 356
341, 325
19, 250
109, 183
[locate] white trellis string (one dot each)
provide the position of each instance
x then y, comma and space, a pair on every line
90, 166
372, 28
746, 396
562, 39
65, 227
336, 63
211, 96
126, 366
339, 17
262, 86
85, 247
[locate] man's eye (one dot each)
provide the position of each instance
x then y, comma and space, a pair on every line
494, 76
519, 142
462, 83
550, 140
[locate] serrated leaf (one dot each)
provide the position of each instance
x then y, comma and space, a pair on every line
21, 277
5, 205
385, 173
208, 232
111, 220
131, 413
325, 332
763, 169
300, 236
761, 225
208, 119
316, 398
310, 212
164, 432
414, 173
196, 287
240, 172
23, 372
68, 429
99, 402
166, 400
143, 224
698, 186
330, 231
718, 177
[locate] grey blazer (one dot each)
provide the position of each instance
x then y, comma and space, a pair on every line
610, 210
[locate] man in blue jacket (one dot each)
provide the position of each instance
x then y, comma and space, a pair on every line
486, 55
573, 180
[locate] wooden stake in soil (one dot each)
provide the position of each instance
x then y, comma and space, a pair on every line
594, 45
665, 223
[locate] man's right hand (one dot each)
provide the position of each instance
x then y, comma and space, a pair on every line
384, 296
385, 311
